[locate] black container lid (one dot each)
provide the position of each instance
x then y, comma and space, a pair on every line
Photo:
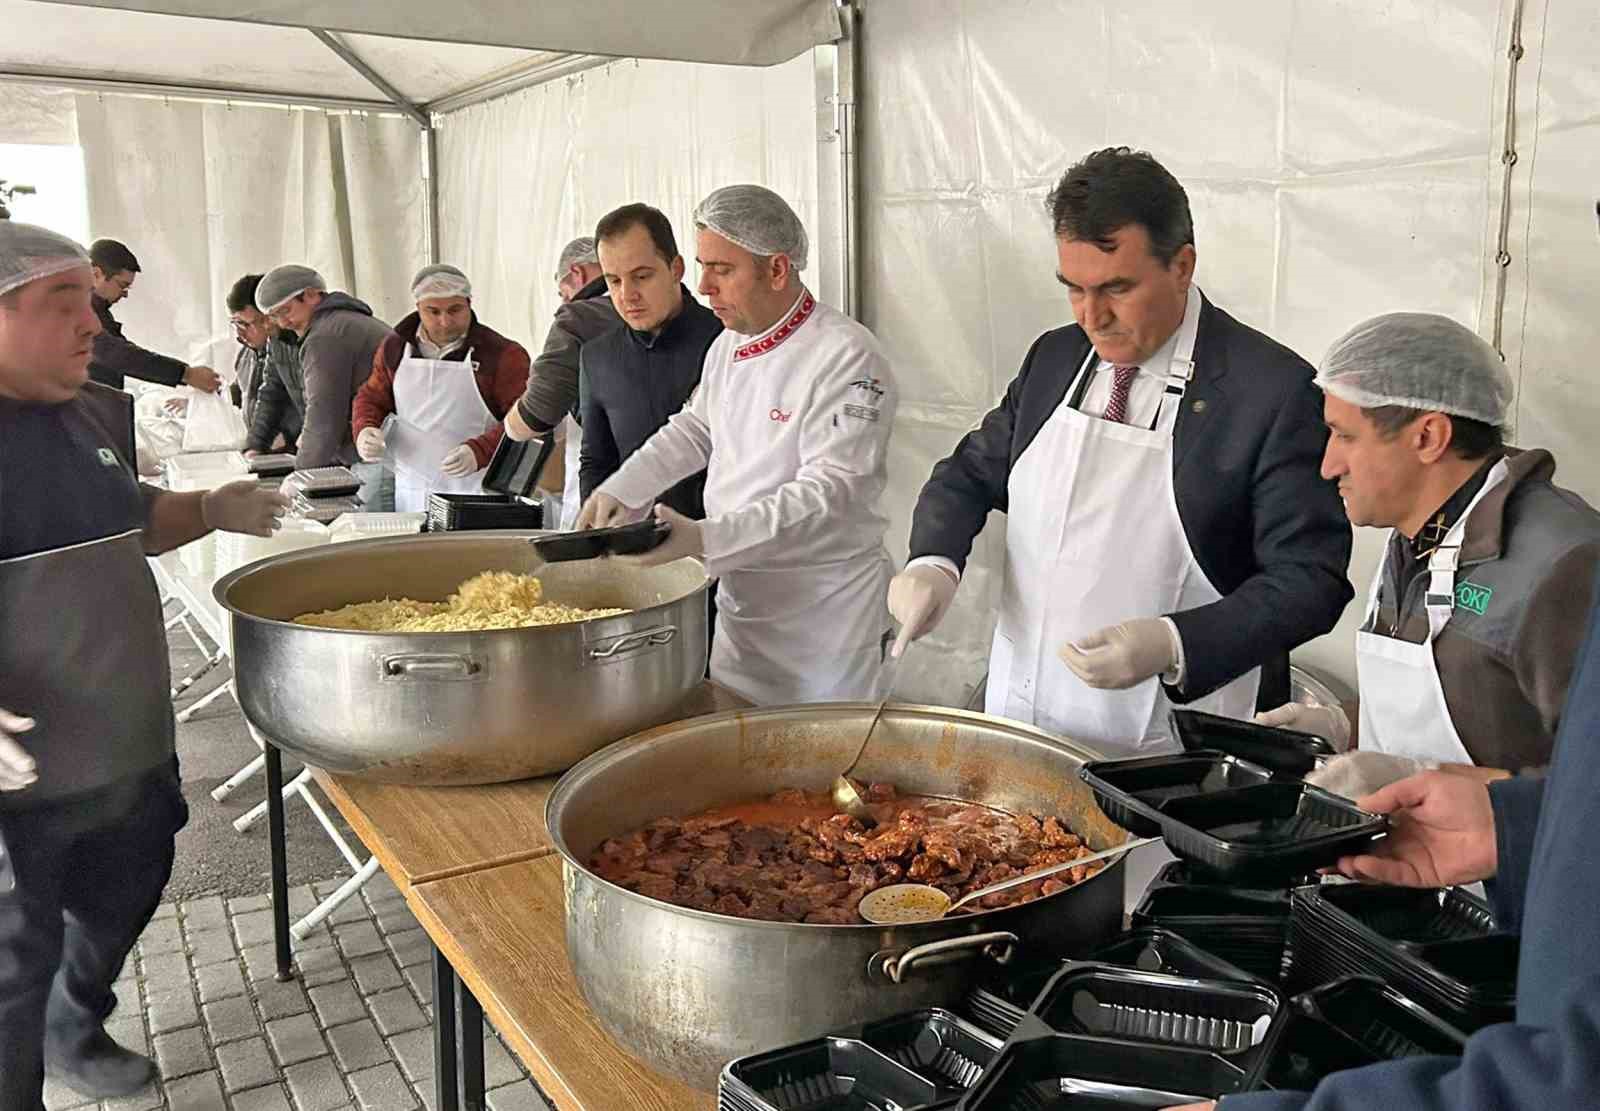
1282, 751
633, 539
515, 467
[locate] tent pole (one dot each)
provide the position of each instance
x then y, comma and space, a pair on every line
334, 43
220, 94
430, 169
834, 68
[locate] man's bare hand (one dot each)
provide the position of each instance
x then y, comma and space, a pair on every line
1441, 833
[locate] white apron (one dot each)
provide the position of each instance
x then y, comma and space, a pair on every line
1094, 538
1403, 711
440, 397
571, 497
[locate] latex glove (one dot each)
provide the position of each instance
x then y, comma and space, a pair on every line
369, 445
918, 599
685, 541
601, 510
244, 507
202, 378
17, 768
1123, 655
1357, 774
1441, 833
175, 406
461, 462
1328, 722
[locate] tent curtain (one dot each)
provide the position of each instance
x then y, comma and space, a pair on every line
522, 175
235, 189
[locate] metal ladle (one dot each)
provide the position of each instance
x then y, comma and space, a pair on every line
846, 799
902, 903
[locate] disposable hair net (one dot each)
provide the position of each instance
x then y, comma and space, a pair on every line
440, 280
1420, 361
581, 250
28, 253
284, 283
757, 219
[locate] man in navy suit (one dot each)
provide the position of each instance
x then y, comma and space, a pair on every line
1168, 536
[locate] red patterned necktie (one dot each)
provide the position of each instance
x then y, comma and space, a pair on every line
1121, 381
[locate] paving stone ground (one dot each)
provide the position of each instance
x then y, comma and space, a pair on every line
199, 993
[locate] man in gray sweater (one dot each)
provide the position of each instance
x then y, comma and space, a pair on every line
338, 335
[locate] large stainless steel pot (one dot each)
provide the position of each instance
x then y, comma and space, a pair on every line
458, 708
686, 991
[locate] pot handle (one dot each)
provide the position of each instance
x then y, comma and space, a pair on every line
999, 945
430, 665
645, 638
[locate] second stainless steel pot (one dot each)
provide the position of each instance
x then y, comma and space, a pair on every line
686, 990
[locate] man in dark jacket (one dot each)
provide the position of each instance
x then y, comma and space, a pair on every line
267, 354
89, 791
1532, 839
116, 357
635, 377
552, 394
338, 337
1168, 536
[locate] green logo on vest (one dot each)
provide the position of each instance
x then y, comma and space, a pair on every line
108, 458
1473, 597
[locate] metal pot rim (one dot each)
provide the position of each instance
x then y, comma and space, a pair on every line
220, 588
660, 734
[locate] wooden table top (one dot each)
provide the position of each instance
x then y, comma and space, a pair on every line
504, 931
422, 834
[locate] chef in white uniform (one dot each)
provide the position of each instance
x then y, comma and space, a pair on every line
1469, 637
791, 423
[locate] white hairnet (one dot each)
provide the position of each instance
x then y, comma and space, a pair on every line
580, 251
757, 219
283, 284
1421, 361
440, 280
28, 253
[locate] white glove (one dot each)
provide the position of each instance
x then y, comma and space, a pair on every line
1358, 774
459, 463
686, 540
17, 768
601, 510
1123, 655
1327, 722
244, 507
918, 599
369, 445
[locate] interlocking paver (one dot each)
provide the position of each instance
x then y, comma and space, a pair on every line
165, 910
517, 1097
260, 961
165, 970
280, 1000
270, 1098
420, 979
499, 1067
161, 936
382, 1089
211, 947
414, 1051
396, 1011
148, 1099
321, 966
246, 1064
195, 1093
295, 1039
230, 1019
127, 1028
253, 928
182, 1052
376, 973
351, 910
248, 903
219, 981
336, 1004
209, 913
59, 1097
410, 947
394, 917
358, 1045
316, 1085
172, 1009
359, 939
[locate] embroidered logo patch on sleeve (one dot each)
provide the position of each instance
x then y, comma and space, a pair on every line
1471, 596
861, 412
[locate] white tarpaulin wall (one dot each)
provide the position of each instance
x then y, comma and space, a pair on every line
522, 175
203, 193
1342, 160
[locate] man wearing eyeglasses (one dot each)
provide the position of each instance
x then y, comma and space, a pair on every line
268, 384
115, 357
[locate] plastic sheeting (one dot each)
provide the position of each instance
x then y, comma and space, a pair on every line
1337, 157
744, 32
240, 189
522, 175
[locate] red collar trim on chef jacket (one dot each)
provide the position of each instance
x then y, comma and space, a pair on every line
802, 313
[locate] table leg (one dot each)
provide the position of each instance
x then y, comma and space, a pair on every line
280, 861
444, 1033
471, 1049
